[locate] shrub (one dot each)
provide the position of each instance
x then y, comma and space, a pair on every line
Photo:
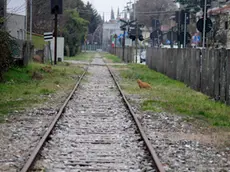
7, 46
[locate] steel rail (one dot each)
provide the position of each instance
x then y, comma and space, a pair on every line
36, 150
139, 126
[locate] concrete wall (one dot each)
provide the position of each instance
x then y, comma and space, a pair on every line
16, 25
60, 48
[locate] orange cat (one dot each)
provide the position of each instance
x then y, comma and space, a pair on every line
143, 84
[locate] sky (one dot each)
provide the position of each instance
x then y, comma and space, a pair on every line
102, 6
106, 5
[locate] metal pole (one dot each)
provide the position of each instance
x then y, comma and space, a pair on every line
26, 20
204, 25
179, 29
31, 18
136, 40
123, 53
50, 54
185, 29
171, 35
115, 46
135, 18
55, 40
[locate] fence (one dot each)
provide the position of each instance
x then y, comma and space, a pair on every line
91, 47
24, 53
207, 71
128, 54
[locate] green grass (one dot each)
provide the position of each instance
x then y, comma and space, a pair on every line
112, 58
86, 57
20, 91
38, 41
173, 96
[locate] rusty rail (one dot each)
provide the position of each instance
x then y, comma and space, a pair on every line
139, 126
34, 154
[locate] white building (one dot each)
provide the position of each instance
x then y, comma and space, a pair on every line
16, 25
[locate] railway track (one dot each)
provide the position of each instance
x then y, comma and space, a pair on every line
95, 130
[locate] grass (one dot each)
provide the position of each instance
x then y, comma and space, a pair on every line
20, 91
87, 57
173, 96
38, 41
112, 58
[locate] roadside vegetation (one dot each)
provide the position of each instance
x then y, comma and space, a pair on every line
111, 58
168, 95
85, 57
32, 85
38, 41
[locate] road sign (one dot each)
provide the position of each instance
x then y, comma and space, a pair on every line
200, 24
124, 21
48, 36
124, 25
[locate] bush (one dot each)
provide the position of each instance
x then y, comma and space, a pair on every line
7, 46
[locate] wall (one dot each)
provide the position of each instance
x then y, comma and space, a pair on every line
207, 71
60, 48
16, 25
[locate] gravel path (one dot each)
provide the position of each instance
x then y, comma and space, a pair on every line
20, 135
96, 132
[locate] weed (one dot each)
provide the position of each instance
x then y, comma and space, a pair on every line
112, 58
56, 82
173, 96
45, 91
82, 57
19, 90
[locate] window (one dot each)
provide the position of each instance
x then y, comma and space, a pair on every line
18, 35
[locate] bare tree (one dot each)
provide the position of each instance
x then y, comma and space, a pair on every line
155, 9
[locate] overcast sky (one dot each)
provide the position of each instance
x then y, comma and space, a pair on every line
103, 6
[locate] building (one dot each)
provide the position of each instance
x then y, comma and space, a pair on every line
111, 28
16, 25
220, 16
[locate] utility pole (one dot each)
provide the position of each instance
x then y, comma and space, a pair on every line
185, 28
31, 18
26, 20
135, 18
204, 25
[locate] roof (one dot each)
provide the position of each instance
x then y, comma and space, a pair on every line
219, 10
